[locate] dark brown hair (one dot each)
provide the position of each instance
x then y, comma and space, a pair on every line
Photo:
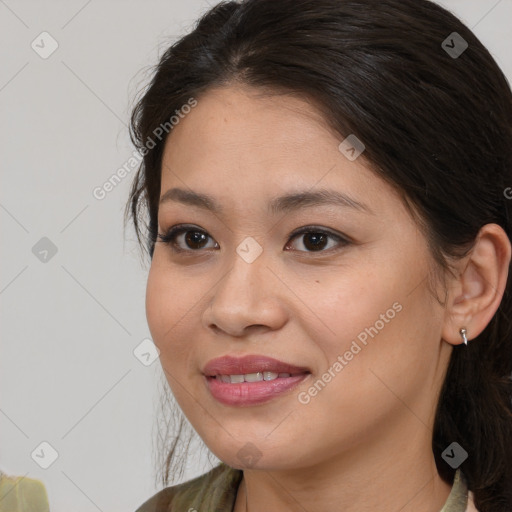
437, 126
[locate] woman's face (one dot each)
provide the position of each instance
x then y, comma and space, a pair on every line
356, 313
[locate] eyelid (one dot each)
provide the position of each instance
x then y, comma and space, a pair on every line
168, 238
319, 229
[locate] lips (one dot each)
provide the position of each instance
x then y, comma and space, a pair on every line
229, 365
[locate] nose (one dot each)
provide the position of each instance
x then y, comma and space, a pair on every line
248, 297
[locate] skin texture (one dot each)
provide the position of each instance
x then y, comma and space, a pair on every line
364, 441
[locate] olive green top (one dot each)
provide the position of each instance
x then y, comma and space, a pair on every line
22, 494
216, 491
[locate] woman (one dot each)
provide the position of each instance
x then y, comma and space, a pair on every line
325, 183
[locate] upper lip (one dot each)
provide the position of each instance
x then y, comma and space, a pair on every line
230, 365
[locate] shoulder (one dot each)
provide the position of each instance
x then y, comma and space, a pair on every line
215, 490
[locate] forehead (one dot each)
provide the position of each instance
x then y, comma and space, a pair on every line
239, 142
243, 119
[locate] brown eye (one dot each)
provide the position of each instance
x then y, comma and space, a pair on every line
317, 240
194, 239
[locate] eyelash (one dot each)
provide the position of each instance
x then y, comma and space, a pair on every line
169, 238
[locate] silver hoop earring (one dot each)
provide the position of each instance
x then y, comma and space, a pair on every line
464, 337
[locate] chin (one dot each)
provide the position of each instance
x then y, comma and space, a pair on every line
251, 455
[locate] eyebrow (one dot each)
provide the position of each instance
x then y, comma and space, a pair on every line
282, 204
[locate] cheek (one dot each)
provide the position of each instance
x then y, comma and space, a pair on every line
164, 305
169, 312
374, 322
347, 305
166, 313
154, 301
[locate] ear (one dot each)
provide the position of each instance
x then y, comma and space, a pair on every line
475, 295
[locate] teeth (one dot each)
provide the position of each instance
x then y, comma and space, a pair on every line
251, 377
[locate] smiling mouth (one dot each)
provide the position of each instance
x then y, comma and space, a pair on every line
236, 391
254, 377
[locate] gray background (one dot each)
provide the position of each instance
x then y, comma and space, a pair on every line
72, 320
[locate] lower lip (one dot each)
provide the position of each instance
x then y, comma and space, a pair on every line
251, 393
